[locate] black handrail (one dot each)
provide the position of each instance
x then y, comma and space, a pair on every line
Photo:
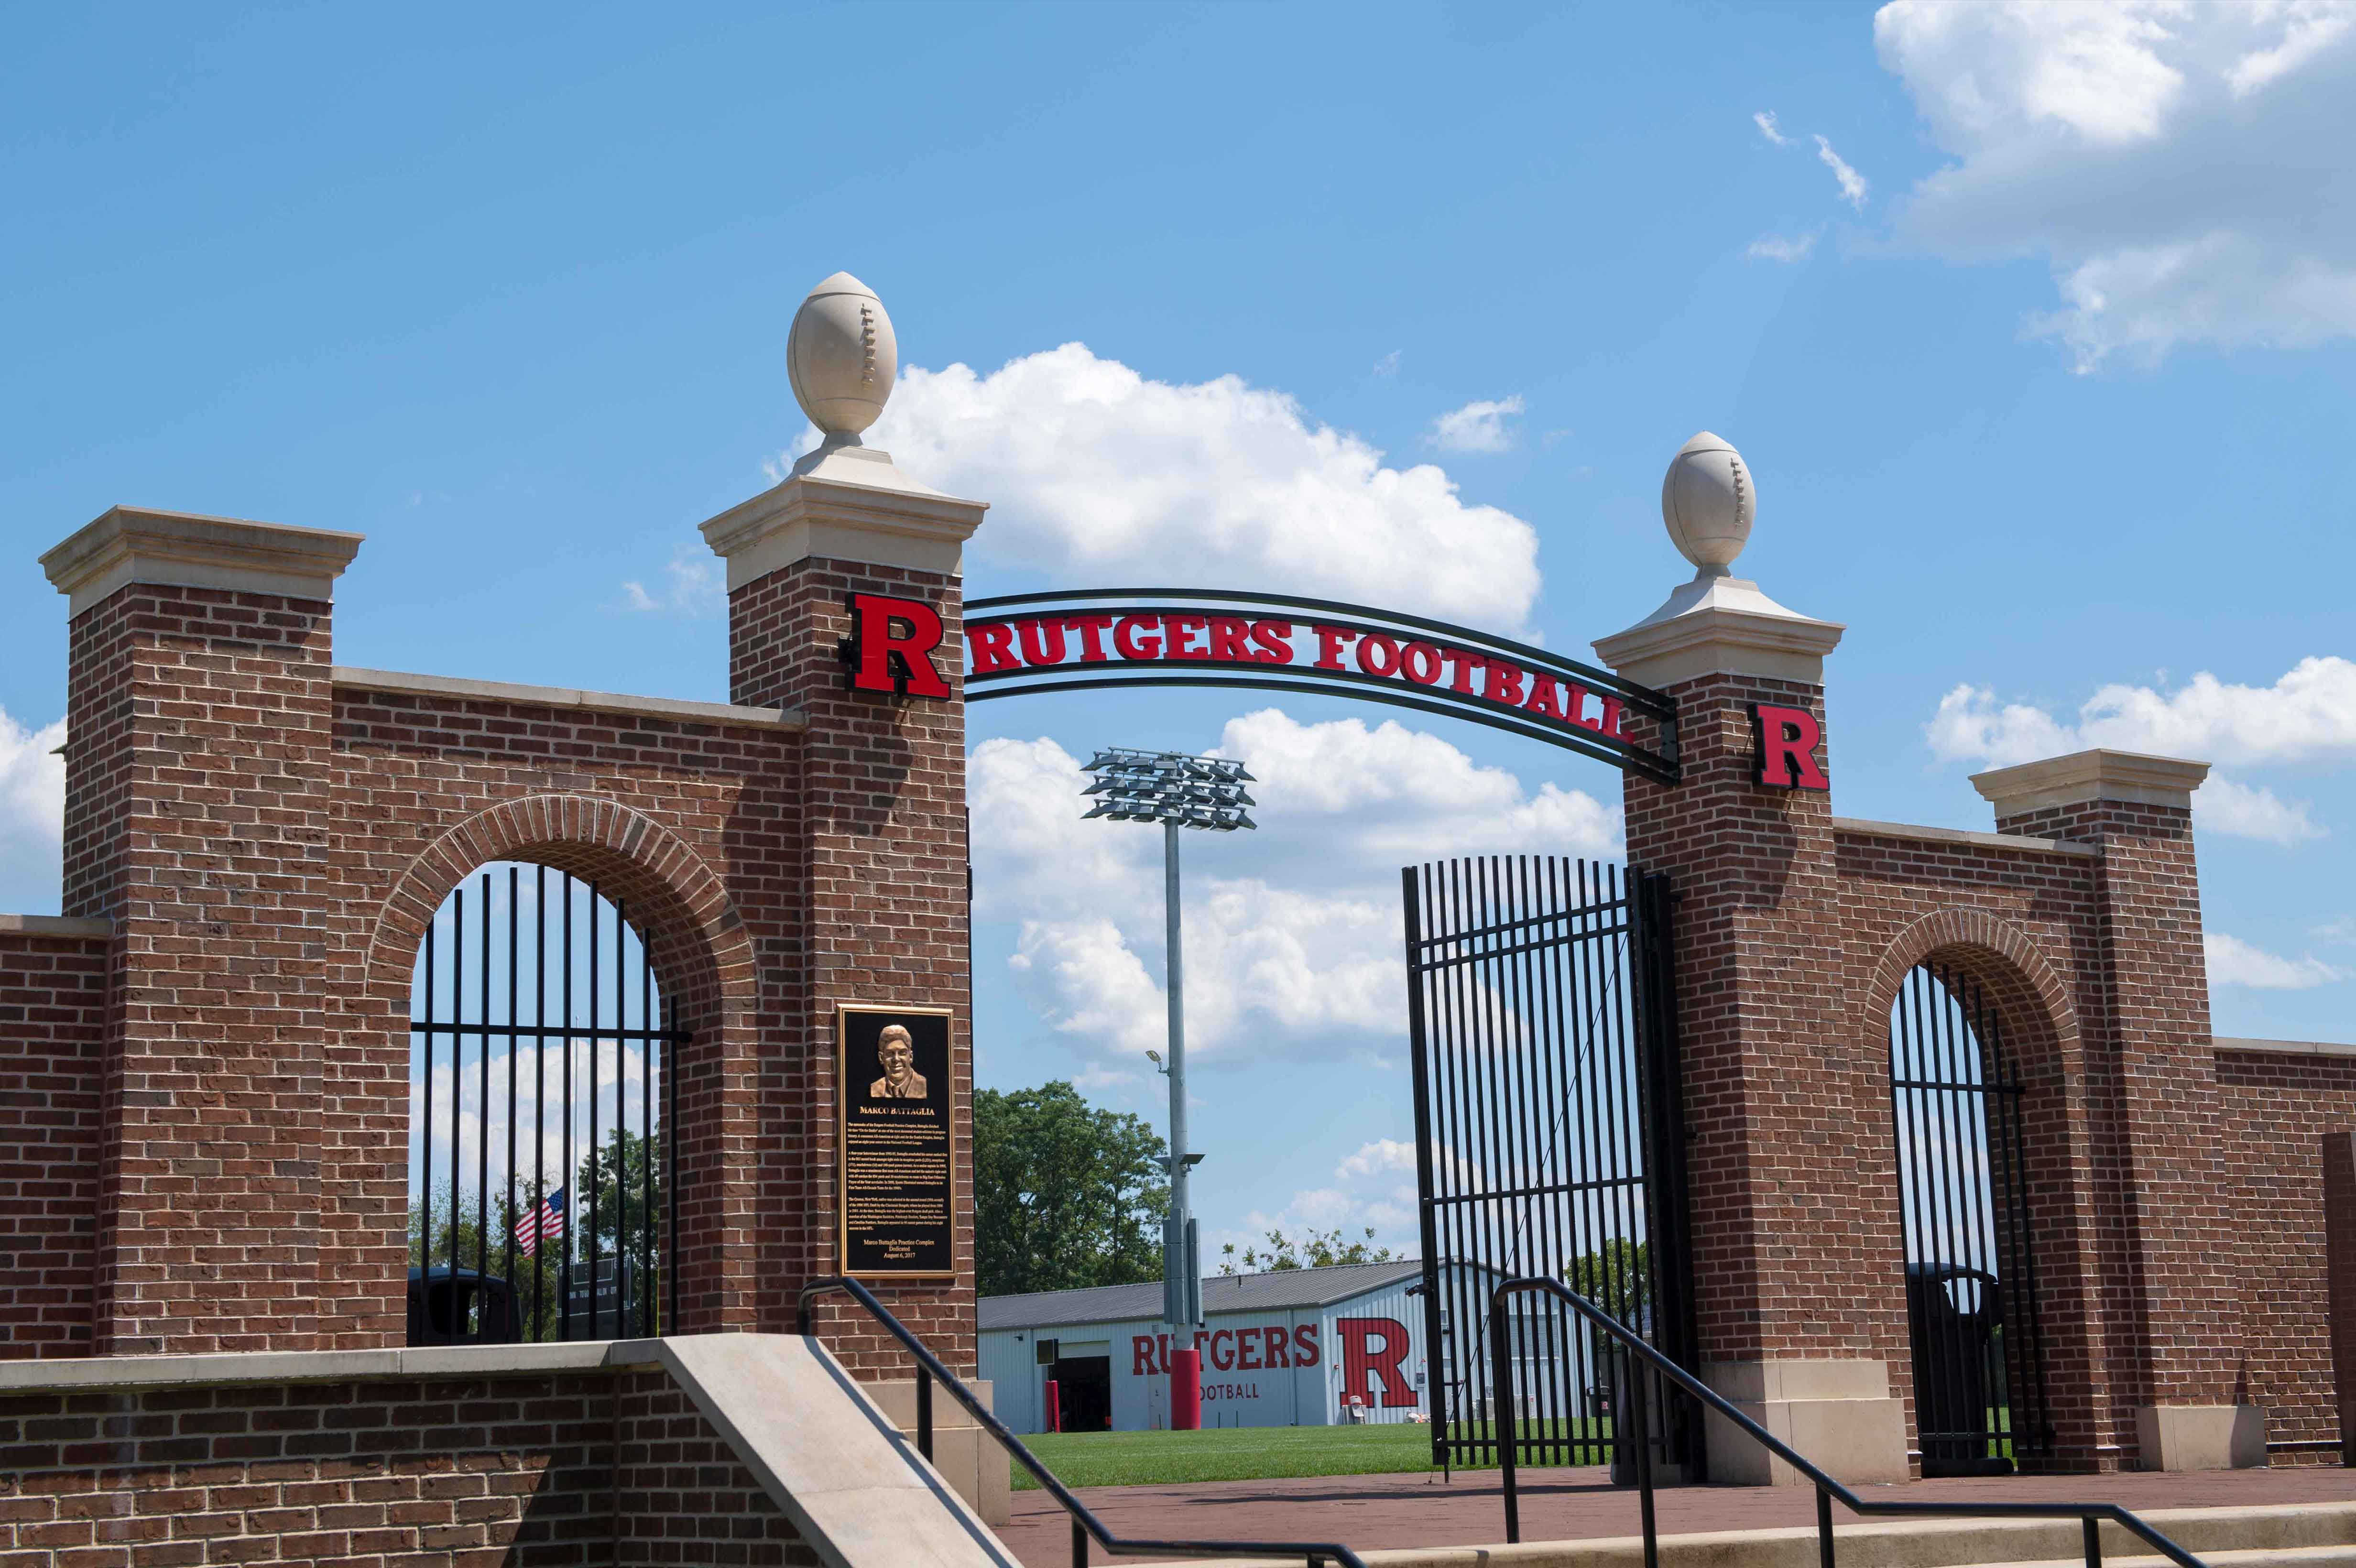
1509, 1438
1084, 1524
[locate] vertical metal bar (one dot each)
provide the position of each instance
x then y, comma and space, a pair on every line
1617, 1163
622, 1282
672, 1262
483, 1118
1946, 1023
1910, 1157
458, 1077
1491, 1153
924, 1411
1522, 1096
1824, 1529
1640, 1418
1978, 1162
1643, 1302
1079, 1544
1418, 1046
1509, 1434
1558, 1242
540, 1099
648, 1065
571, 1184
597, 1052
2093, 1538
1449, 1174
1469, 1311
515, 1021
425, 1149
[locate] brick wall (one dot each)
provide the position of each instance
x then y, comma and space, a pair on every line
589, 1468
883, 871
2276, 1111
683, 824
198, 820
53, 1024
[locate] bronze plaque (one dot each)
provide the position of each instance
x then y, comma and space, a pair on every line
898, 1169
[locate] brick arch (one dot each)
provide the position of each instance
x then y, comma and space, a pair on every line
2040, 1019
2007, 962
691, 927
704, 960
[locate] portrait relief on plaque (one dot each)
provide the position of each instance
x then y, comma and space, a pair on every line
898, 1145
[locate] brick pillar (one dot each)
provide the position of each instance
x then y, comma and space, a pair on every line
880, 861
1785, 1236
2182, 1304
197, 801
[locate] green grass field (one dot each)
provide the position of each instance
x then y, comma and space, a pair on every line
1230, 1454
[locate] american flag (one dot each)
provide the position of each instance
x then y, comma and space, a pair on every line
546, 1222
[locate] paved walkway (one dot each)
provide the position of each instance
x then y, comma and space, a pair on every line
1370, 1512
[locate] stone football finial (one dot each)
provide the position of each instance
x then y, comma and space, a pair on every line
842, 358
1707, 499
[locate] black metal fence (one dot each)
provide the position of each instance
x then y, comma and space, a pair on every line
541, 1138
1549, 1142
1971, 1277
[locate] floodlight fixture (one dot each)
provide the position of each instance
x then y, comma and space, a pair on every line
1171, 788
1176, 791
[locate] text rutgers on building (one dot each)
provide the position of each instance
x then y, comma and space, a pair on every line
703, 967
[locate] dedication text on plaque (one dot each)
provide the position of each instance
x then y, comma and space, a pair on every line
898, 1148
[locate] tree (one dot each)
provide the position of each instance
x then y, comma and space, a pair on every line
1317, 1250
618, 1174
1617, 1277
1064, 1195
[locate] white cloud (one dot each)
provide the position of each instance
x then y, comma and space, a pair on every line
2307, 717
1381, 1156
1765, 121
1295, 932
693, 585
1388, 363
2178, 165
1852, 183
1476, 427
1095, 473
1775, 247
2233, 962
2223, 805
32, 814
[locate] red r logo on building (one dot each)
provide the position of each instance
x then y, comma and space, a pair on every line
891, 646
1788, 739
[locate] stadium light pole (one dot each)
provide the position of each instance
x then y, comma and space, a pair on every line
1176, 791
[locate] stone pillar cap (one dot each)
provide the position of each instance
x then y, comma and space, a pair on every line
186, 549
2090, 775
844, 503
1722, 625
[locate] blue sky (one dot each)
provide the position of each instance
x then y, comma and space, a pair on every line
2047, 397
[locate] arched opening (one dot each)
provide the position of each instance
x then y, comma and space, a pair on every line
1957, 1097
541, 1132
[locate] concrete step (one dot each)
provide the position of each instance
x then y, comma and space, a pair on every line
2275, 1535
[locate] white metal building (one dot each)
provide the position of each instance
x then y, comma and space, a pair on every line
1293, 1348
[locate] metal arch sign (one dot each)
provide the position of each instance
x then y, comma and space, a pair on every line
1095, 639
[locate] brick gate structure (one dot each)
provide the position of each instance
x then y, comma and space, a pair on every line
205, 1061
2177, 1181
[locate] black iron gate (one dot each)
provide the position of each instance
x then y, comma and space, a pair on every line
1549, 1141
541, 1136
1971, 1279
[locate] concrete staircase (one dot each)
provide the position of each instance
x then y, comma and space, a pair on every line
2282, 1535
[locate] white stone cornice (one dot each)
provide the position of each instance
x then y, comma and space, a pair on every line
1721, 625
458, 689
71, 927
133, 544
846, 503
2090, 775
